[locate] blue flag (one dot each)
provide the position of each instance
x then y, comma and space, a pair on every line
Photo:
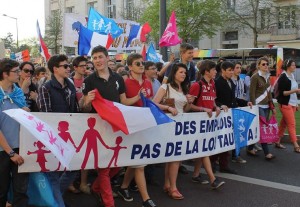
102, 24
134, 30
159, 115
151, 54
242, 121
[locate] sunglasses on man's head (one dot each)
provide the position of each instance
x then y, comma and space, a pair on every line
265, 64
28, 71
66, 66
139, 63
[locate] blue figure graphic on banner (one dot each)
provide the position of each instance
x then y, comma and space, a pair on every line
102, 24
242, 121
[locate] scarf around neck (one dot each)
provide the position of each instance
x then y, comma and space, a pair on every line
16, 96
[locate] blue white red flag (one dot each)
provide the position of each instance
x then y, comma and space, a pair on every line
152, 55
140, 32
88, 40
242, 121
43, 47
102, 24
128, 119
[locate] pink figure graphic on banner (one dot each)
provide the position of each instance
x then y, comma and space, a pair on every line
41, 159
90, 136
170, 36
116, 150
63, 127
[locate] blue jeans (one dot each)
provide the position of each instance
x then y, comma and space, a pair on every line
8, 173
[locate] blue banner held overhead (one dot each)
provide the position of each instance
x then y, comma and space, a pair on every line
102, 24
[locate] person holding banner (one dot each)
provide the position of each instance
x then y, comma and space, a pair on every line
137, 83
111, 86
59, 95
177, 84
260, 94
226, 98
288, 103
205, 92
11, 97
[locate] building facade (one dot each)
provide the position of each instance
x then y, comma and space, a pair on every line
278, 24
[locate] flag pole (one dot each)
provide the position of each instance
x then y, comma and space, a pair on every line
163, 24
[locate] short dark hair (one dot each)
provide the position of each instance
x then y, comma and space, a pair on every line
124, 72
226, 64
100, 48
132, 57
119, 65
55, 60
6, 65
39, 70
185, 46
26, 63
78, 59
149, 64
206, 65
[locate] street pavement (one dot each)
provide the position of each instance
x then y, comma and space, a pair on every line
259, 183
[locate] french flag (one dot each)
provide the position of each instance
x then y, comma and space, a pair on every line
137, 31
88, 39
43, 47
129, 119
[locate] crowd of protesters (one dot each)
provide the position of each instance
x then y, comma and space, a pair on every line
206, 87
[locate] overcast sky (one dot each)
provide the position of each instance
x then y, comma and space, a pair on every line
27, 12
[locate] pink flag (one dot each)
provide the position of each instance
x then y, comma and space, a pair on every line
170, 36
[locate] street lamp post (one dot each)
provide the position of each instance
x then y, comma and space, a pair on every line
16, 27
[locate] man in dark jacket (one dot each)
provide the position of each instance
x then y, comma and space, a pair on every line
59, 95
226, 99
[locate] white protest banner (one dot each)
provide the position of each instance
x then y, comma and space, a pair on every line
47, 137
192, 135
70, 35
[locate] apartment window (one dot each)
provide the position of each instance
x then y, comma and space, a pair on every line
286, 18
90, 5
229, 36
111, 9
129, 5
69, 9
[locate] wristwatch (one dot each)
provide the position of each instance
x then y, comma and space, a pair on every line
11, 153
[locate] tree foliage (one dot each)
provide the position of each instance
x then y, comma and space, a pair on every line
9, 43
195, 18
53, 33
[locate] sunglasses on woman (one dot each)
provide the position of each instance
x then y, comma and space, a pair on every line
265, 64
28, 71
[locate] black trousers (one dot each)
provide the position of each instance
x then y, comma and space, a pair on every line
9, 173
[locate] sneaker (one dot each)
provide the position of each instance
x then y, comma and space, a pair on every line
199, 179
148, 203
216, 184
238, 160
183, 170
133, 188
124, 193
